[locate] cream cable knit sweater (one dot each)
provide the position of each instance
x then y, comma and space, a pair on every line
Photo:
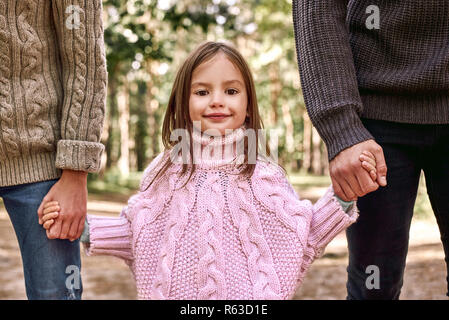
52, 88
221, 236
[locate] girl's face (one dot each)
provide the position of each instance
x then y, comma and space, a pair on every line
218, 97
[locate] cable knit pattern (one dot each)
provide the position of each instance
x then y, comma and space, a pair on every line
53, 82
8, 136
222, 235
260, 262
40, 135
177, 220
211, 280
97, 113
70, 126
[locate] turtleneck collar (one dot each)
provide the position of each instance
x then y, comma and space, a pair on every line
218, 152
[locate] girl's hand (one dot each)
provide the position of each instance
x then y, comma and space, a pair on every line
369, 163
50, 213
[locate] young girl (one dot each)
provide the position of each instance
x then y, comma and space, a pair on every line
214, 226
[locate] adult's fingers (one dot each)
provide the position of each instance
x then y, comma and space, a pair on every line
341, 187
66, 224
55, 229
73, 231
338, 190
367, 180
351, 187
79, 230
346, 192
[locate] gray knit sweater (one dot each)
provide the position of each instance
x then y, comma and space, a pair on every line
398, 72
52, 88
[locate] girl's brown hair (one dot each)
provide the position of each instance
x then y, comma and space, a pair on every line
177, 114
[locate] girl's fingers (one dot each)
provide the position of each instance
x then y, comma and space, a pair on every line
370, 168
372, 161
51, 203
51, 209
47, 224
369, 154
48, 216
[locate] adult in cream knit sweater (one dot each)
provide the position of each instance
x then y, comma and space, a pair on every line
52, 102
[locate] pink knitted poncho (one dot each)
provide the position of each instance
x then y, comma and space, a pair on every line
222, 236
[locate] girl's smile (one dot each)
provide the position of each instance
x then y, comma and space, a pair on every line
217, 116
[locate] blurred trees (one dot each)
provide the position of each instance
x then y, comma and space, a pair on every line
148, 39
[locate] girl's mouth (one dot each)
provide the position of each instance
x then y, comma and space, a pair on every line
216, 116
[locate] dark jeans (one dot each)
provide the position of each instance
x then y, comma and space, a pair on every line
380, 236
51, 267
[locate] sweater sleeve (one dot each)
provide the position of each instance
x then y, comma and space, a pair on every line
112, 235
109, 236
327, 72
315, 224
79, 30
328, 220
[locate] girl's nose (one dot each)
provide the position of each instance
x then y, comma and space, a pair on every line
217, 100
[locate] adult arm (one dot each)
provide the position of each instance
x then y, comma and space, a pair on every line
79, 30
331, 95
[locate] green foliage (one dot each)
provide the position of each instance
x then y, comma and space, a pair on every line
114, 182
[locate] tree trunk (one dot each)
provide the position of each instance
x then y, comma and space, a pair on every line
151, 105
141, 132
112, 93
324, 159
105, 136
289, 132
316, 143
306, 142
275, 89
123, 113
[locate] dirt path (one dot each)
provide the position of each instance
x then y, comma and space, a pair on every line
109, 278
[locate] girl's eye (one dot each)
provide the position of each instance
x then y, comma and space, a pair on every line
232, 91
201, 92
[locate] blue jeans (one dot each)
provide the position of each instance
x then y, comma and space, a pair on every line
380, 236
52, 268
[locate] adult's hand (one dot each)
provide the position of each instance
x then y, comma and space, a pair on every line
71, 193
349, 179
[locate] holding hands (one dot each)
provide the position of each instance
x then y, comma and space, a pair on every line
51, 209
70, 196
351, 180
